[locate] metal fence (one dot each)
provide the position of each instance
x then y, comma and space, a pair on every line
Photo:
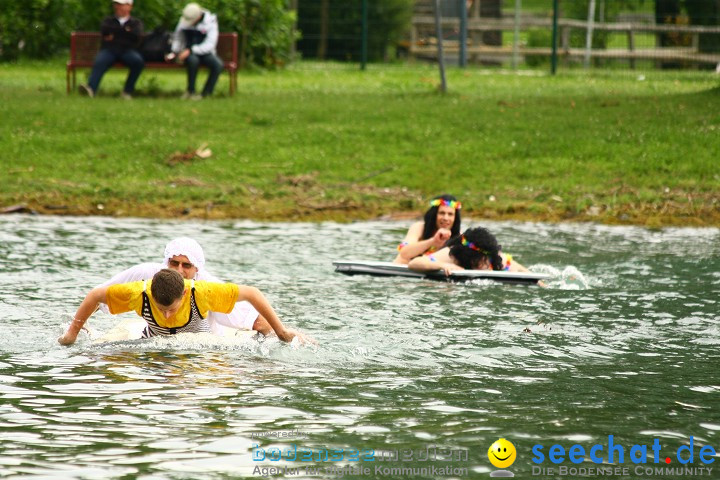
619, 34
509, 35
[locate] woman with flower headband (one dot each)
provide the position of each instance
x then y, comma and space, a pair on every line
475, 249
441, 222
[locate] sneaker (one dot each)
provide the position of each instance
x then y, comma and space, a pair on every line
86, 91
191, 96
125, 96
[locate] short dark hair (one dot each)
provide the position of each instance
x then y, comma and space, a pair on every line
167, 287
430, 218
485, 244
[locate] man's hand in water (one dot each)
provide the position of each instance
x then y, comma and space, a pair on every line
66, 339
302, 338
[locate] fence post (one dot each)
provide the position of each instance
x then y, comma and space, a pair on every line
364, 35
413, 41
463, 33
438, 34
589, 32
631, 47
516, 34
324, 27
475, 35
553, 57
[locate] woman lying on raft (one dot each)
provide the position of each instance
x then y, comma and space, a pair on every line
441, 222
475, 249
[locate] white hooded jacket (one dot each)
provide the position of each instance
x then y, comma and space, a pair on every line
207, 26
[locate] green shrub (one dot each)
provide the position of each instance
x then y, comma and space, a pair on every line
41, 28
388, 20
538, 38
33, 27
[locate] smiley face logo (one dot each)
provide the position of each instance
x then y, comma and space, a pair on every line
502, 453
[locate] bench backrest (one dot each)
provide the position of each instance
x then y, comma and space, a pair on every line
85, 45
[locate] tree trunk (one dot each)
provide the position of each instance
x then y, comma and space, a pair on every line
667, 12
324, 27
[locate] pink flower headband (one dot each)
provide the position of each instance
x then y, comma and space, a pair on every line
448, 203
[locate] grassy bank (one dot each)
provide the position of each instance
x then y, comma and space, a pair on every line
330, 142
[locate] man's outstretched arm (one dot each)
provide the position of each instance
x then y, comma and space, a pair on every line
87, 307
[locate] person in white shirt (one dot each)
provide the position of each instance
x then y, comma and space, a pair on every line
194, 44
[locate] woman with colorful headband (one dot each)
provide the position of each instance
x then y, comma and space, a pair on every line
475, 249
441, 222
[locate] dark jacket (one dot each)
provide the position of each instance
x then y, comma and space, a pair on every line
124, 37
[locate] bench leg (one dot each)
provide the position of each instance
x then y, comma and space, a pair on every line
233, 82
74, 81
67, 80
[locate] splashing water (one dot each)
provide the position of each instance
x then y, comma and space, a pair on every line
570, 278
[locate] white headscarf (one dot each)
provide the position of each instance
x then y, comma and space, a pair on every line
188, 247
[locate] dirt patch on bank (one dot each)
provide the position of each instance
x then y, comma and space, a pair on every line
304, 198
649, 215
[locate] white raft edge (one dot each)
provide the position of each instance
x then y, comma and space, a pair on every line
351, 267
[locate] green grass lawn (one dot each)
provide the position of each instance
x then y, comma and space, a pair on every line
327, 141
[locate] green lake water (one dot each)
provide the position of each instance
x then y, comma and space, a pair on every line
415, 378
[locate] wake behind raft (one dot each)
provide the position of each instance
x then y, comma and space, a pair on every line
389, 269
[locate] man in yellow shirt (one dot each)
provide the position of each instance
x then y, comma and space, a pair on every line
170, 304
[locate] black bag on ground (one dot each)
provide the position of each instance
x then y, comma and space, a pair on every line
155, 45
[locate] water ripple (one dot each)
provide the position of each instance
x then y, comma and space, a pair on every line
626, 328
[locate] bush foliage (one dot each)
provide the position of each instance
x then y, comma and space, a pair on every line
41, 28
387, 21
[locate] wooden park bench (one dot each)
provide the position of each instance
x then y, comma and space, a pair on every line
85, 45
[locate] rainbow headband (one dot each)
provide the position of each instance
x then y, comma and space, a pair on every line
448, 203
472, 246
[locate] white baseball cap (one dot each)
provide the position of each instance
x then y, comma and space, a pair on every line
124, 2
191, 13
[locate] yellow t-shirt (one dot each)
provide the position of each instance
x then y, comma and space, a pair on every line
209, 296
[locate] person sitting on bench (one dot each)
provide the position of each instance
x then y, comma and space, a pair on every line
121, 36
